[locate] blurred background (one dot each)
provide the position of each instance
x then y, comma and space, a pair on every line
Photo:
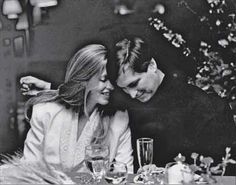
38, 37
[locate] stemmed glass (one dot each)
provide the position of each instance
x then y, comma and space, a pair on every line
145, 157
96, 157
144, 151
116, 173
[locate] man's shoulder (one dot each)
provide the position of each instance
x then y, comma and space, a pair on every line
211, 103
204, 96
191, 94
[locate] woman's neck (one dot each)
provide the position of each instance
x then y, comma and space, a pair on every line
90, 107
83, 118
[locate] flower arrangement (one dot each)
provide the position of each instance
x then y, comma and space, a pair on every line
215, 57
179, 172
203, 166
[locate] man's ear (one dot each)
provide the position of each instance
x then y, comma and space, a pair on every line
152, 65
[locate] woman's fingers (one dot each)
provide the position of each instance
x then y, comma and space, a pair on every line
25, 86
30, 93
24, 90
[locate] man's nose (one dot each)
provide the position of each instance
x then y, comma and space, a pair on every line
110, 86
133, 93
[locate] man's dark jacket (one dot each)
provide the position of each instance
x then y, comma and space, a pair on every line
181, 118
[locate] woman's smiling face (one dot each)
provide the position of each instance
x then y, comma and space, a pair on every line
100, 89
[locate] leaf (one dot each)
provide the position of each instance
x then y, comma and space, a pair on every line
195, 168
207, 160
226, 72
216, 169
231, 161
217, 172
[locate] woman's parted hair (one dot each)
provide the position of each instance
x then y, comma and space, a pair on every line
86, 62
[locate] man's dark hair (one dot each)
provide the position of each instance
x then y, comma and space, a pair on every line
134, 52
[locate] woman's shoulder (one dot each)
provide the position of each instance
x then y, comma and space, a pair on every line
120, 121
121, 115
50, 108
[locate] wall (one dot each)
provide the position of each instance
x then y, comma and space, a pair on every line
64, 28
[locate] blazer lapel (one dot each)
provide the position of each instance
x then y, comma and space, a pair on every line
112, 141
85, 138
68, 118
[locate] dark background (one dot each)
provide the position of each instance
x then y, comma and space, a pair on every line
71, 24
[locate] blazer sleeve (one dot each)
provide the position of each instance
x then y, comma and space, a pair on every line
124, 151
33, 147
120, 132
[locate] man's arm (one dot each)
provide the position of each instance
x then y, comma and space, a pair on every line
31, 86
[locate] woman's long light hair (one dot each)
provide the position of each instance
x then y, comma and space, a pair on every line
73, 93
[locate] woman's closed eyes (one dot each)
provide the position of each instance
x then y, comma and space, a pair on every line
103, 79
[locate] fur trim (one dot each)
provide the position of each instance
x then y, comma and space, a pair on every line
17, 171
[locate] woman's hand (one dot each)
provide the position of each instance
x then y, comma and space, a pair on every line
31, 86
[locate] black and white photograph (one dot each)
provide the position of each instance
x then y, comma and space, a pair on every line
101, 92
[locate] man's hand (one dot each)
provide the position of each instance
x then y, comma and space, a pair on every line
31, 86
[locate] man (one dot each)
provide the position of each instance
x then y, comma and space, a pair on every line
179, 117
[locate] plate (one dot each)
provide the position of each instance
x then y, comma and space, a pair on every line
151, 177
139, 179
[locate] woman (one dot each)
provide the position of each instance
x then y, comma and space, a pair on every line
65, 121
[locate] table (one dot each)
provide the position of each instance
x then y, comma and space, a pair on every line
225, 180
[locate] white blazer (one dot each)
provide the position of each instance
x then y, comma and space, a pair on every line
53, 137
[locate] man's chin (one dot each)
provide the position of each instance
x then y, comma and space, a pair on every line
144, 99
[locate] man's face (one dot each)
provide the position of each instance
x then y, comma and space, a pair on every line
141, 86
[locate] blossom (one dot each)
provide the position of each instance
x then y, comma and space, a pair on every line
218, 23
213, 1
215, 73
169, 36
231, 37
179, 158
187, 51
202, 43
194, 155
223, 43
159, 8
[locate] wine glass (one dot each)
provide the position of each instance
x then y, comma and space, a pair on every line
116, 173
144, 151
96, 157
